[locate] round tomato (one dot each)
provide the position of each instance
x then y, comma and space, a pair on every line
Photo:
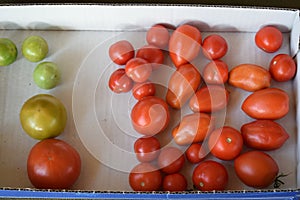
119, 82
282, 67
170, 160
215, 72
35, 48
121, 52
158, 35
256, 169
196, 153
46, 75
43, 116
225, 143
8, 52
53, 164
269, 39
138, 69
174, 182
147, 149
141, 90
210, 175
214, 47
145, 177
152, 54
150, 116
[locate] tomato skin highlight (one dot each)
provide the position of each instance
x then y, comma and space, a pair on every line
147, 149
269, 39
121, 52
119, 82
282, 68
174, 182
170, 160
214, 47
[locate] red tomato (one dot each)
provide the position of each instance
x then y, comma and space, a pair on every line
182, 85
256, 169
138, 69
141, 90
225, 143
119, 82
121, 52
174, 182
150, 116
269, 103
264, 135
269, 39
193, 128
152, 54
282, 67
53, 164
215, 72
147, 149
209, 99
210, 175
196, 153
184, 44
145, 177
158, 35
170, 160
214, 47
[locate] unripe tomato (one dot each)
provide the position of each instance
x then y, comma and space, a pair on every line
35, 48
269, 39
121, 52
282, 67
46, 75
8, 52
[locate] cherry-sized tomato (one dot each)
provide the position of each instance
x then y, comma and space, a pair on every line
121, 52
264, 135
282, 67
196, 153
35, 48
138, 69
147, 149
174, 182
152, 54
141, 90
210, 175
158, 35
8, 52
145, 177
53, 164
256, 169
215, 72
182, 85
184, 44
225, 143
119, 82
249, 77
170, 160
214, 47
269, 39
150, 115
269, 103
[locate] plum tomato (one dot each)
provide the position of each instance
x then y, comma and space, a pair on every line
264, 135
225, 143
210, 175
119, 82
269, 39
145, 177
215, 72
174, 182
256, 169
121, 52
8, 52
184, 44
141, 90
147, 149
35, 48
53, 164
170, 160
152, 54
46, 75
138, 69
43, 116
158, 35
269, 103
214, 47
150, 116
249, 77
282, 67
195, 153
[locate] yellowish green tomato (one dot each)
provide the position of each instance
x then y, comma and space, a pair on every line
8, 52
46, 75
35, 48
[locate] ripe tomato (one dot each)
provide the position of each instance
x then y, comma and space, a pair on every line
119, 82
152, 54
249, 77
225, 143
209, 99
269, 39
193, 128
53, 164
184, 44
174, 182
196, 153
282, 67
210, 175
141, 90
138, 69
256, 169
182, 85
215, 72
264, 135
147, 149
8, 52
269, 103
214, 47
43, 116
170, 160
121, 52
158, 35
35, 48
150, 116
145, 177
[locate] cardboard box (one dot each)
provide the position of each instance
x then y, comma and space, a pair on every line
79, 36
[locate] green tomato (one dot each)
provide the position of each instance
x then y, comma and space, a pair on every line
43, 116
46, 75
8, 52
35, 48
